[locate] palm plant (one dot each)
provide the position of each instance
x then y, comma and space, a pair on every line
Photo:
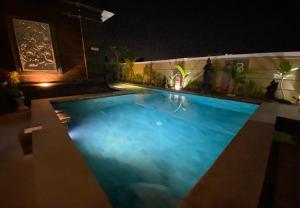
283, 72
183, 73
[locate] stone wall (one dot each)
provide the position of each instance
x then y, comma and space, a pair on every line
262, 67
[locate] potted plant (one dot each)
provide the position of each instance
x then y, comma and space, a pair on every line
13, 90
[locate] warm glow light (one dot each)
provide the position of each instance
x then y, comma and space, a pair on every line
126, 86
294, 69
177, 86
105, 15
44, 84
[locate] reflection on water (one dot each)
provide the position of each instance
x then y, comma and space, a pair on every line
180, 100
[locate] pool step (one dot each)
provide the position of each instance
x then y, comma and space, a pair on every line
63, 117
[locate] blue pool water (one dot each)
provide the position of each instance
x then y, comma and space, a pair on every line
149, 150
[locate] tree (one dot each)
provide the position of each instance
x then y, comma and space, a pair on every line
284, 70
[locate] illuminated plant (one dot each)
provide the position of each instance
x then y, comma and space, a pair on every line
13, 78
171, 80
283, 72
183, 73
238, 74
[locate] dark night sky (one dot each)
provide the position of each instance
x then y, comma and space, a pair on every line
158, 30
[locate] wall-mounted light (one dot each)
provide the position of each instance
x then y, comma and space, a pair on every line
95, 49
44, 84
105, 15
294, 69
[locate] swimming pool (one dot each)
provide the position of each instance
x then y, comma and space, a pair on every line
150, 150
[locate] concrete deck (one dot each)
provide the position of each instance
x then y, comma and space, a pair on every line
291, 112
11, 127
17, 183
281, 185
62, 177
288, 119
16, 170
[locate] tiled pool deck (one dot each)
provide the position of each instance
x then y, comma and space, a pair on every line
61, 178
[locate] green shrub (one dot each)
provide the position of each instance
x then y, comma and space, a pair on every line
156, 79
111, 72
138, 78
14, 92
251, 90
193, 85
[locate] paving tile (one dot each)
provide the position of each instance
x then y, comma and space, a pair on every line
17, 183
11, 128
267, 112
